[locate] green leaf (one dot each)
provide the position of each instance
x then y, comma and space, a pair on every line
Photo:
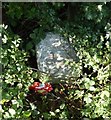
62, 106
21, 95
29, 46
105, 94
6, 115
92, 82
52, 113
12, 111
57, 110
26, 114
87, 85
92, 88
19, 110
33, 36
5, 61
87, 100
47, 116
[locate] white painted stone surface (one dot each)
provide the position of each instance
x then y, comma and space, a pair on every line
52, 53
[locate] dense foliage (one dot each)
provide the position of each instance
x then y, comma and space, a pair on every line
88, 28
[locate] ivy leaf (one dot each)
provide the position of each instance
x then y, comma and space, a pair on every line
87, 100
92, 82
105, 94
12, 111
92, 88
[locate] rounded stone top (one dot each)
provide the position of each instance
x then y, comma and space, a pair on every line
53, 52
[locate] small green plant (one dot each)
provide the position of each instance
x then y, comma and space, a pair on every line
16, 77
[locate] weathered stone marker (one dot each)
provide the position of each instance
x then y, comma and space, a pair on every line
52, 54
